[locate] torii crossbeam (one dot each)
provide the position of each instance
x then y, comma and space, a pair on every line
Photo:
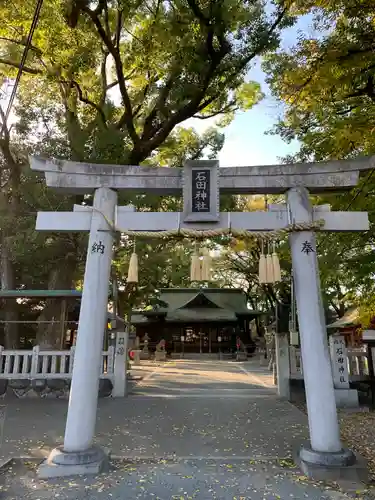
200, 182
74, 177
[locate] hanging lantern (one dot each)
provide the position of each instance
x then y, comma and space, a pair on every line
133, 267
206, 264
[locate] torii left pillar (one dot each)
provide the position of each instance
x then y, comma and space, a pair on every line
78, 455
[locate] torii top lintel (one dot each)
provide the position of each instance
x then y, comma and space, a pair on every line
318, 177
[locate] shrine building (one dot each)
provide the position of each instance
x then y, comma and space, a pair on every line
197, 320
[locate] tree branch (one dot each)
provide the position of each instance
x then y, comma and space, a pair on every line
106, 20
111, 85
348, 110
368, 90
188, 110
198, 13
145, 92
88, 101
25, 69
128, 118
150, 128
103, 76
4, 127
225, 109
117, 37
22, 43
263, 45
11, 162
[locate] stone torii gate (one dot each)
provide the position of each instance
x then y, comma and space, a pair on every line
201, 182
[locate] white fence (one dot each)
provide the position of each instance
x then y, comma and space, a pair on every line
357, 360
39, 364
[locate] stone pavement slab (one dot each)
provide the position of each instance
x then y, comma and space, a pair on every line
187, 430
156, 426
166, 416
193, 479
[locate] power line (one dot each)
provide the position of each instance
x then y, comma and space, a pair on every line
23, 60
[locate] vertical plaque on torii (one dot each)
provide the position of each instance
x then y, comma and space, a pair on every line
201, 191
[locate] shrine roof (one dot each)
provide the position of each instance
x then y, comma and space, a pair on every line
198, 304
350, 318
225, 298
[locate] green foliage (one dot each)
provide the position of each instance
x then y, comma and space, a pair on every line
114, 82
166, 62
327, 85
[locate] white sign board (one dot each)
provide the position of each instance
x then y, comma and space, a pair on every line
201, 191
339, 361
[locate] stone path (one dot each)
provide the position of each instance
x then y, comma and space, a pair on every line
189, 429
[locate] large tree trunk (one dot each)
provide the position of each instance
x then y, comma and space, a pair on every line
49, 335
9, 205
11, 330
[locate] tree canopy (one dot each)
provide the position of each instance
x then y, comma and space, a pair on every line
114, 82
326, 82
136, 70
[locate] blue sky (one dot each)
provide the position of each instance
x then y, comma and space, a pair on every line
246, 142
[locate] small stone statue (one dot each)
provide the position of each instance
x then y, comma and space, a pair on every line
160, 354
145, 339
160, 346
240, 345
241, 354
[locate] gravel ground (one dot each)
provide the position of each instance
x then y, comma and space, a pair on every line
357, 432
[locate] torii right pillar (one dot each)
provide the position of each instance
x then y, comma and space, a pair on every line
326, 458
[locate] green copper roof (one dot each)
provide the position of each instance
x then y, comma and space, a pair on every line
198, 305
232, 299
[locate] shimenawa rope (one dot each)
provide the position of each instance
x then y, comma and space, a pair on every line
211, 233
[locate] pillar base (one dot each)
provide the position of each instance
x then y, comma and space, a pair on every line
61, 463
346, 398
322, 466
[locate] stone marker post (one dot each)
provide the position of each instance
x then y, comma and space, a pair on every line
78, 455
345, 396
120, 368
326, 448
339, 357
282, 365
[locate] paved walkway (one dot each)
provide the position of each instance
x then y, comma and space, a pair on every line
189, 429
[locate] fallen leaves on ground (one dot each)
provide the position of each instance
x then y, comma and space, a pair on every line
358, 434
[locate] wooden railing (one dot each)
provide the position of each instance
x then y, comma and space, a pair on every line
357, 360
22, 364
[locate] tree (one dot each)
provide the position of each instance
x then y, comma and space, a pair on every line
166, 61
326, 83
112, 81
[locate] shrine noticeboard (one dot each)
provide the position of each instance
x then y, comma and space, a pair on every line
201, 191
